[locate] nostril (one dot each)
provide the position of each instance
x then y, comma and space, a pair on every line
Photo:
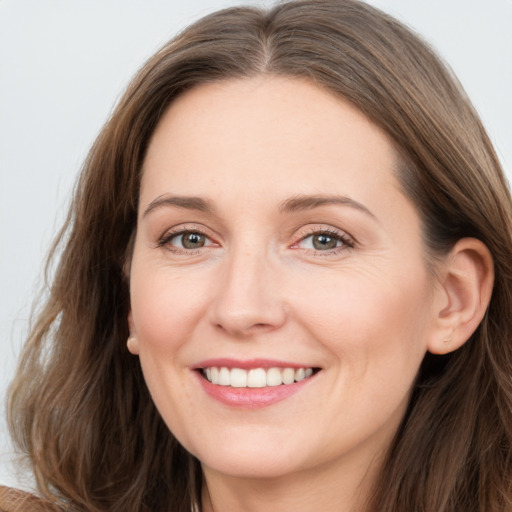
245, 329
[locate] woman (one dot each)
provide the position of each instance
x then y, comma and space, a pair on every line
283, 285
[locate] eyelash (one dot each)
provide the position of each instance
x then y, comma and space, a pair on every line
346, 242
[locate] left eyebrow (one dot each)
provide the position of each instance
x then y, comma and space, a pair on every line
306, 202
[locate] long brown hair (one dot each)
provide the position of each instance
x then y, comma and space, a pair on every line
79, 407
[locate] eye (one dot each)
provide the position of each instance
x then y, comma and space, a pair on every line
189, 240
324, 241
185, 240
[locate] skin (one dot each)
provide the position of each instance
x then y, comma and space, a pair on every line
365, 312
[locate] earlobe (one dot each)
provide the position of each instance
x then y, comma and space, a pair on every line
132, 343
465, 286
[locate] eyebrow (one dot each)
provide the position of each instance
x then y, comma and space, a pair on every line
293, 204
186, 202
306, 202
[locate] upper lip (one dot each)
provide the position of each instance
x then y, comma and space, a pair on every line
248, 364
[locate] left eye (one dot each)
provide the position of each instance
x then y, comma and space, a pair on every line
322, 242
189, 240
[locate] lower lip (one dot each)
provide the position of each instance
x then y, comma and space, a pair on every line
251, 398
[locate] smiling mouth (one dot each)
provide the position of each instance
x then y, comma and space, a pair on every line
257, 377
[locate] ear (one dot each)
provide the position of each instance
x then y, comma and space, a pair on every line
132, 342
465, 282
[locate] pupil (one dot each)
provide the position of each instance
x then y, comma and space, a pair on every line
193, 240
323, 242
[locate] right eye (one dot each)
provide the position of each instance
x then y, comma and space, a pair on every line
185, 241
189, 240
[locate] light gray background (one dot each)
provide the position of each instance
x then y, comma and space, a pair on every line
63, 65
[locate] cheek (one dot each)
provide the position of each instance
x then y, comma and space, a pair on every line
373, 317
375, 332
166, 305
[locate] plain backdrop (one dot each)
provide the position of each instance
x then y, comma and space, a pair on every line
63, 66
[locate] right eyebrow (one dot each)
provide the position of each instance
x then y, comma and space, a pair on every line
186, 202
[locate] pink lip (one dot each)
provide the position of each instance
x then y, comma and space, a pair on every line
249, 398
247, 365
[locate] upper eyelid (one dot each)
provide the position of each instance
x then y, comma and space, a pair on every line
187, 227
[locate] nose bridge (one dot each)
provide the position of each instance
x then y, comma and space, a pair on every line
248, 299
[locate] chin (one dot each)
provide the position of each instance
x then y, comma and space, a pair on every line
249, 467
256, 457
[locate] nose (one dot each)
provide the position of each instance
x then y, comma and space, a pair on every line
249, 298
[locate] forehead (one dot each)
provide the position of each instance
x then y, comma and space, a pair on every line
266, 134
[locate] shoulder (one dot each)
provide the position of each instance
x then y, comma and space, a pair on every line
14, 500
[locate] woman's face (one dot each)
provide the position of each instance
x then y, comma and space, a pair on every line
273, 242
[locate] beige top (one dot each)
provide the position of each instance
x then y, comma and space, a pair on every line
13, 500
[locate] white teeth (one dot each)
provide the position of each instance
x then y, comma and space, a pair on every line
288, 376
238, 378
255, 378
274, 377
300, 374
224, 377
